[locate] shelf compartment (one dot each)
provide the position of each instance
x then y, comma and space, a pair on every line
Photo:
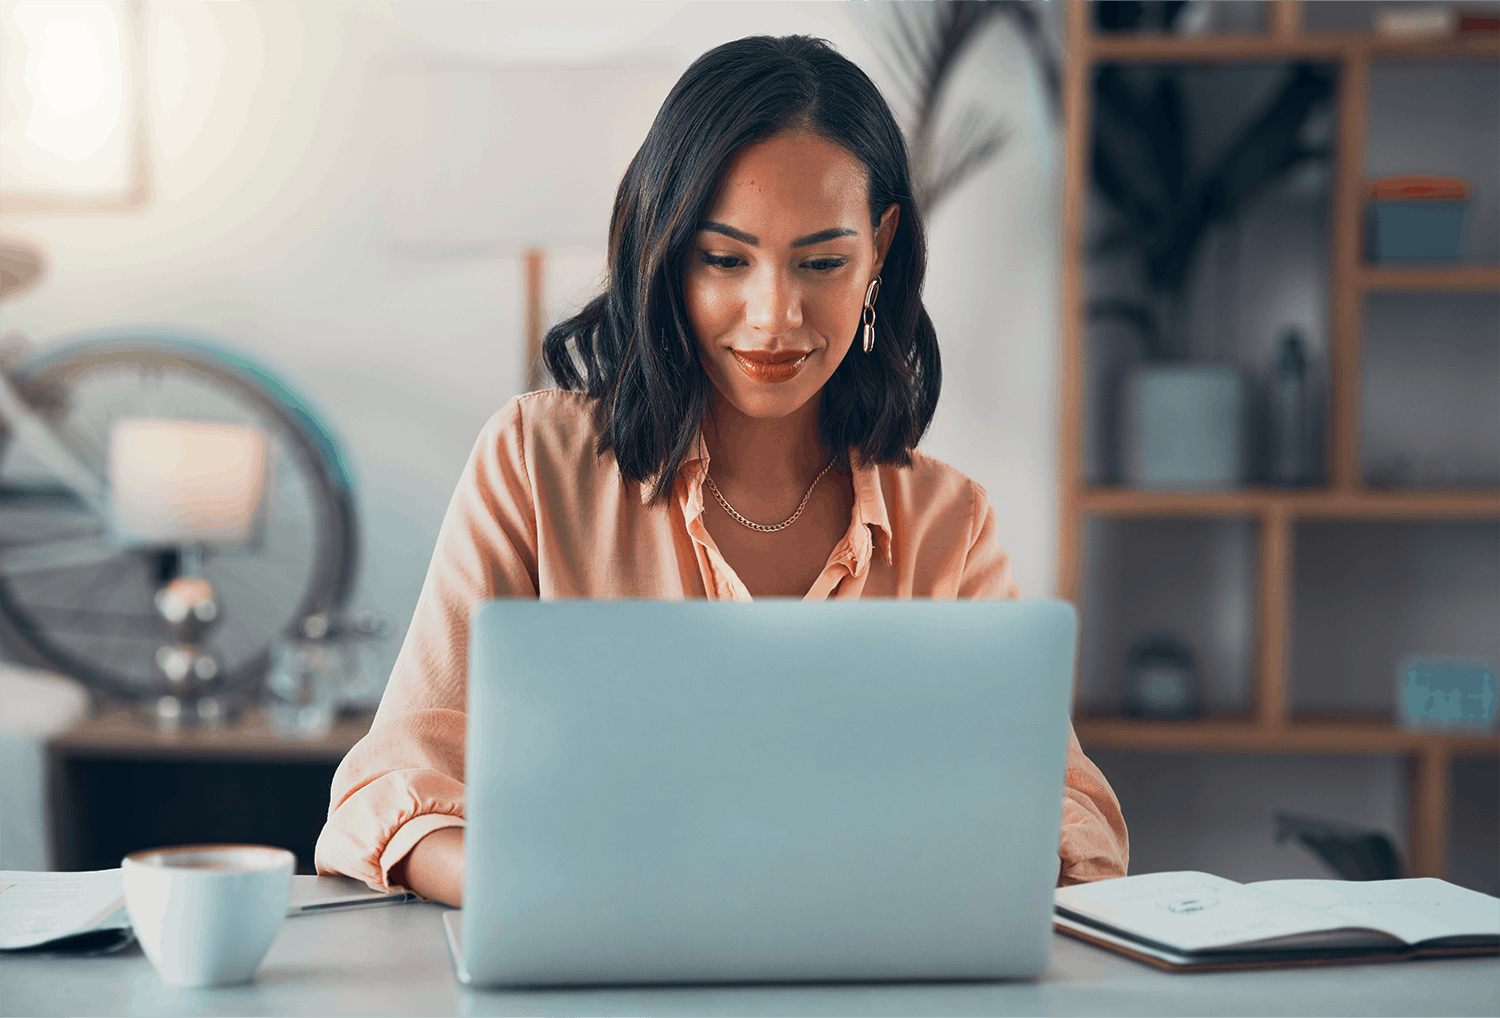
1440, 118
1366, 594
1474, 823
1429, 394
1250, 280
1192, 578
1215, 811
1346, 16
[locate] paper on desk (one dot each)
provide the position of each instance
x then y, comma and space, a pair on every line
1414, 909
1190, 911
39, 907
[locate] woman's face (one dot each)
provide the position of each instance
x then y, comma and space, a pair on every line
775, 281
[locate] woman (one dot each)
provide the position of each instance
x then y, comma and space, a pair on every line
738, 418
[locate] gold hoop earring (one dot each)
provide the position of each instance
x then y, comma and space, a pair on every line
871, 292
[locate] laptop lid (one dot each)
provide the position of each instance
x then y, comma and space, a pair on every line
704, 791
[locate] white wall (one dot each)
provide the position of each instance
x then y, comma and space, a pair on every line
266, 231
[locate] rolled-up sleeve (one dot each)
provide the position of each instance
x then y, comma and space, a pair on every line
405, 778
1093, 843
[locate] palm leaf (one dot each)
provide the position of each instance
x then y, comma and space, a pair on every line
1133, 313
1126, 160
925, 44
1140, 165
1269, 147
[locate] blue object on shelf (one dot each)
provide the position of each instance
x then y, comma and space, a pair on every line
1417, 230
1446, 694
1182, 427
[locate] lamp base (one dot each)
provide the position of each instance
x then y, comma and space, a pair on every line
172, 713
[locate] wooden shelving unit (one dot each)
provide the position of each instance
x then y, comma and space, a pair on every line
1270, 726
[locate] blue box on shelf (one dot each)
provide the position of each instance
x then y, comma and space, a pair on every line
1417, 219
1446, 694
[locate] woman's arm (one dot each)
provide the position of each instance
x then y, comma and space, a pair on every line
434, 868
402, 785
1093, 843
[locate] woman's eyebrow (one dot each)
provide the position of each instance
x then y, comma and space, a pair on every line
754, 241
822, 235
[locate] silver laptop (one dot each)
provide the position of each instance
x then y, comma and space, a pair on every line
708, 791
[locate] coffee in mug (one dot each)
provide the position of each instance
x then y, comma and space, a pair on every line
206, 914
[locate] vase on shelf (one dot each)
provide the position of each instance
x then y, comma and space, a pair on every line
1183, 427
1288, 448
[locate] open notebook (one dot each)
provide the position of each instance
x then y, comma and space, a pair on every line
85, 912
1189, 920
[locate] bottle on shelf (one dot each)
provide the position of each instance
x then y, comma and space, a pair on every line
1287, 460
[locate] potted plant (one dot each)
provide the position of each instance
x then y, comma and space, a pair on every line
1181, 421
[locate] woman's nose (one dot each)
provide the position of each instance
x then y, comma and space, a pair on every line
773, 305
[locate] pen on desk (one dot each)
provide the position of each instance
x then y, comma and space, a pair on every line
343, 904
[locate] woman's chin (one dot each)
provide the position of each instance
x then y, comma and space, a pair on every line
767, 402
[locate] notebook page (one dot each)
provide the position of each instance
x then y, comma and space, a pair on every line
1416, 909
38, 907
1190, 911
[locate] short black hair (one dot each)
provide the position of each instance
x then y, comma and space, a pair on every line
632, 347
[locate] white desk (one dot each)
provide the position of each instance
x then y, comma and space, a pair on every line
393, 961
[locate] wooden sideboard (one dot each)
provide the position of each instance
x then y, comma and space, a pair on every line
117, 784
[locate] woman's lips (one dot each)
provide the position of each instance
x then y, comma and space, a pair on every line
769, 365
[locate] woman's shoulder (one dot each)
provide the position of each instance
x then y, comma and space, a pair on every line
931, 488
930, 475
547, 421
546, 435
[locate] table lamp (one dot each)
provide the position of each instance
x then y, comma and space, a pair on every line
185, 484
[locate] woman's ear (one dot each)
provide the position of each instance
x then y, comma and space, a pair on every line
885, 233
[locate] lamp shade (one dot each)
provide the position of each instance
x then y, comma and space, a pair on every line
176, 482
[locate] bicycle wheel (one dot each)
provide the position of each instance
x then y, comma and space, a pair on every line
73, 601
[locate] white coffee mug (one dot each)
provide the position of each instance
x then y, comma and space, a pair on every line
206, 914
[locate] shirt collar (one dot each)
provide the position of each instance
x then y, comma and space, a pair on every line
870, 509
690, 474
869, 530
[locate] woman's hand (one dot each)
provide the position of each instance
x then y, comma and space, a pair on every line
434, 868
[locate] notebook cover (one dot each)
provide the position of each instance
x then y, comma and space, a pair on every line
1169, 961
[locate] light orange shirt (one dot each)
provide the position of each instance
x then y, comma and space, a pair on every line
538, 514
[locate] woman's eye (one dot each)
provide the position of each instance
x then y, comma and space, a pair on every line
722, 261
825, 264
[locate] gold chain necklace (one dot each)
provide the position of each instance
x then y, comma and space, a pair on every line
761, 527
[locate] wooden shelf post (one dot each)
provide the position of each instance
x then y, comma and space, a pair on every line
1273, 616
1284, 18
1076, 113
1427, 811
